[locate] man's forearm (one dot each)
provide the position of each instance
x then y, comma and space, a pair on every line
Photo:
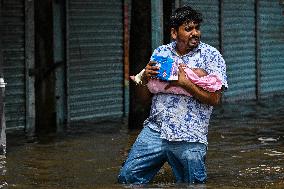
144, 94
206, 97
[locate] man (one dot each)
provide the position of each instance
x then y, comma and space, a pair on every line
176, 130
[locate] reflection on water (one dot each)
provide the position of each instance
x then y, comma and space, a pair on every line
246, 150
3, 183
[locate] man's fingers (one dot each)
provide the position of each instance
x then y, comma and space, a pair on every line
152, 68
180, 69
151, 71
150, 74
152, 63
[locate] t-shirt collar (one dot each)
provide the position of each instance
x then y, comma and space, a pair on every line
195, 50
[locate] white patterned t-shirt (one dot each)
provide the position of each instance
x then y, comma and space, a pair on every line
180, 117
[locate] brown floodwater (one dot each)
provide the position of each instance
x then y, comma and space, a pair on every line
246, 150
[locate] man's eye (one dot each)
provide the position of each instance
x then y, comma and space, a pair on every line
188, 29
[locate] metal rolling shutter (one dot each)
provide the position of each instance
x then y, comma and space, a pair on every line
239, 48
210, 25
95, 59
13, 31
271, 47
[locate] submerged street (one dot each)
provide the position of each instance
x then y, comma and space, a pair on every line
246, 150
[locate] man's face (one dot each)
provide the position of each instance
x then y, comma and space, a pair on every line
187, 36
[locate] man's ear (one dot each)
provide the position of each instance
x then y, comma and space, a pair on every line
173, 33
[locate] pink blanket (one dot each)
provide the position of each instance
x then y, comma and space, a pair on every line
209, 82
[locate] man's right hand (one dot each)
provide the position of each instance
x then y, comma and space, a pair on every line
150, 71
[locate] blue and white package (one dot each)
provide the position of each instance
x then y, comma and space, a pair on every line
168, 69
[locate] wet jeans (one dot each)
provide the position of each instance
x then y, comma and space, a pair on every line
150, 152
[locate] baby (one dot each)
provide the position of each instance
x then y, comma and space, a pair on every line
198, 76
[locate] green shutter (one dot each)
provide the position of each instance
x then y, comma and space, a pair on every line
271, 47
13, 38
240, 48
210, 25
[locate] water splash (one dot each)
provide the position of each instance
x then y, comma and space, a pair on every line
271, 152
265, 140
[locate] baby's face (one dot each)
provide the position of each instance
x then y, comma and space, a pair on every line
199, 71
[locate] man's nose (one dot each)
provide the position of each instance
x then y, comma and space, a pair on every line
195, 32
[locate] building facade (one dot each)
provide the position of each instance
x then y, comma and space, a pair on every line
69, 61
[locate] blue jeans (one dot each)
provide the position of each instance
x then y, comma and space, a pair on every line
150, 152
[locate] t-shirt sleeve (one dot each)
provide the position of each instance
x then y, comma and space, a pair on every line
155, 53
217, 66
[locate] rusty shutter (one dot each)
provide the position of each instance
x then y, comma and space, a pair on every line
94, 59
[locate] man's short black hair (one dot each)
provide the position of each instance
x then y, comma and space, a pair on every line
184, 14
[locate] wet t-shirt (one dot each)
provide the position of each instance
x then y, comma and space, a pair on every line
180, 117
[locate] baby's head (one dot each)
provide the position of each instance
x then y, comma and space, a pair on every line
199, 72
